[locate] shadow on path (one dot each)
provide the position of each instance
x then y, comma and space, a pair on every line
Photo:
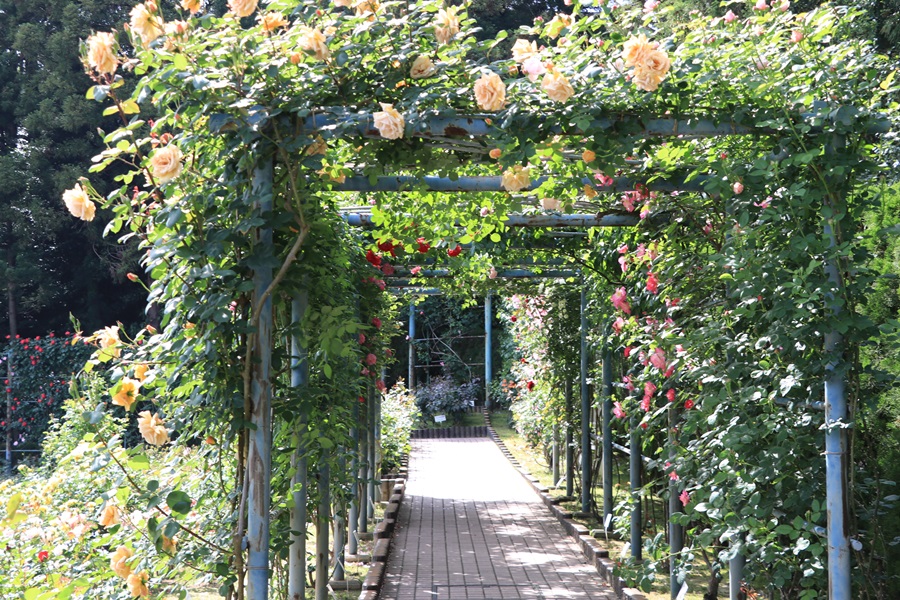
471, 528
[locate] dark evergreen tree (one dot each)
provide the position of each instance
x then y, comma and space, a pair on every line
48, 132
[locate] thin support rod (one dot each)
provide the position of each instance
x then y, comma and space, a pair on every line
635, 471
676, 532
298, 516
10, 371
353, 519
259, 455
570, 442
606, 432
585, 411
488, 350
322, 518
411, 376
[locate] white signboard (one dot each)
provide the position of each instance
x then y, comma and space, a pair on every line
440, 418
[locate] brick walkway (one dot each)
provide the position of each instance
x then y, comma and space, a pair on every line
471, 528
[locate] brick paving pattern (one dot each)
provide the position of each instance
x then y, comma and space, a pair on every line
471, 528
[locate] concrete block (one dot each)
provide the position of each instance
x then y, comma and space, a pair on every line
381, 531
374, 577
358, 558
346, 585
381, 550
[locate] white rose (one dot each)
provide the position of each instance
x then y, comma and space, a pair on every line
490, 92
389, 122
165, 164
422, 67
79, 204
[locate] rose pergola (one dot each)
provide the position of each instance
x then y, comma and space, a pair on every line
736, 150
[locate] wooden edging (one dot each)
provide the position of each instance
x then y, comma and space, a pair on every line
597, 556
383, 537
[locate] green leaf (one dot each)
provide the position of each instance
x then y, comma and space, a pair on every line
179, 502
139, 462
784, 530
180, 62
12, 505
130, 107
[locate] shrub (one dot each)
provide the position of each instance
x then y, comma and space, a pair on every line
443, 396
36, 383
398, 416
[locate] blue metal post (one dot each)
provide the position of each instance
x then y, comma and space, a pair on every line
339, 524
836, 419
370, 454
488, 350
323, 515
363, 463
298, 516
554, 465
353, 519
411, 376
635, 471
259, 455
607, 438
378, 453
585, 411
735, 573
570, 442
676, 533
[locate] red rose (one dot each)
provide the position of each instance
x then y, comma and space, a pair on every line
43, 555
423, 245
373, 259
455, 251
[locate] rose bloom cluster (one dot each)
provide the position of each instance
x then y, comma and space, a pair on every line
650, 64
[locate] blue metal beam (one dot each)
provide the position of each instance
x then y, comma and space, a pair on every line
396, 282
426, 126
492, 183
536, 220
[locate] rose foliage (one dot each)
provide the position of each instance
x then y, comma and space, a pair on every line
244, 125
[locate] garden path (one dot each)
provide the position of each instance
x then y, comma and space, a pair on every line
471, 528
